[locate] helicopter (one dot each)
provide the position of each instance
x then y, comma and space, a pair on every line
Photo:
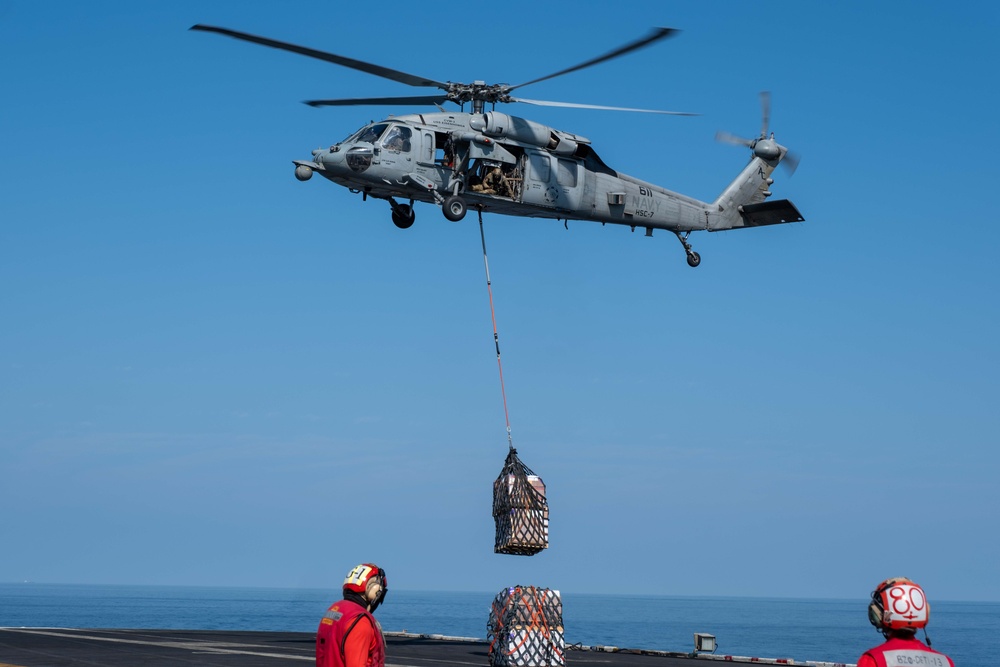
494, 162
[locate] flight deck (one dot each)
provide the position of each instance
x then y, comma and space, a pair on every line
60, 647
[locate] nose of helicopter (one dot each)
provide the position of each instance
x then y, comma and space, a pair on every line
326, 156
325, 160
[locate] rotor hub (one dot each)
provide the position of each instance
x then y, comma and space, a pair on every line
767, 149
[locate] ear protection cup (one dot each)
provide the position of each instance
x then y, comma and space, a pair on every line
383, 589
875, 611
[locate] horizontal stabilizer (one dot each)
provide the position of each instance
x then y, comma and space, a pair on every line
770, 213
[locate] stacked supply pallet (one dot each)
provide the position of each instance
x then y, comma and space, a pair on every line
520, 510
525, 628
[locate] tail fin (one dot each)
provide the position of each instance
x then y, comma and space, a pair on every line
744, 202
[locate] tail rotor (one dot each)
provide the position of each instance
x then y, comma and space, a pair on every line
764, 146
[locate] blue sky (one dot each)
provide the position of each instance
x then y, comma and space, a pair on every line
213, 374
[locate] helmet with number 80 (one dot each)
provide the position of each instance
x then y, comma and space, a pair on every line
898, 604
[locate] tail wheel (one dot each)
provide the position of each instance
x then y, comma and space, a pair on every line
403, 216
694, 259
454, 208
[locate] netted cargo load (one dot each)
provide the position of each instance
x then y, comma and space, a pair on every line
525, 628
520, 510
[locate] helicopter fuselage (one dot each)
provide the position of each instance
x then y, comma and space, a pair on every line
502, 164
490, 161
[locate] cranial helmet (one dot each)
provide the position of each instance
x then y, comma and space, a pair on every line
898, 604
357, 581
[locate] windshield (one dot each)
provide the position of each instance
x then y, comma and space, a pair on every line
398, 138
372, 132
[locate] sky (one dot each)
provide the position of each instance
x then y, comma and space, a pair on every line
213, 374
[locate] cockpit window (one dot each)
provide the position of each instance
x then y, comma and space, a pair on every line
398, 139
372, 132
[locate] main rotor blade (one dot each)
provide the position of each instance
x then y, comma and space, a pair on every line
656, 35
359, 65
415, 100
572, 105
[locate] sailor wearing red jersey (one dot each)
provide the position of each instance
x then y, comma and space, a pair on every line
348, 634
898, 609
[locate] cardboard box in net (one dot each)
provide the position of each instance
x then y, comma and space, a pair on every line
530, 647
505, 491
527, 606
521, 513
522, 531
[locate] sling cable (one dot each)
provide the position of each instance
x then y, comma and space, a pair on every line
520, 509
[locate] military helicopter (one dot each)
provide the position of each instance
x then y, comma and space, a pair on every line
494, 162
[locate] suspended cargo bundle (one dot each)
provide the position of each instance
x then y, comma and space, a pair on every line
525, 628
520, 510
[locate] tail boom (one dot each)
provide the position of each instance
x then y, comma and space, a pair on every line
744, 202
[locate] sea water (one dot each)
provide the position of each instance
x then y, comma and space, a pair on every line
801, 629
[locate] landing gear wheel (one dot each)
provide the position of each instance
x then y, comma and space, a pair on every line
454, 208
403, 216
694, 259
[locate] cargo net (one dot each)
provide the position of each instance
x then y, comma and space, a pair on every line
526, 628
520, 510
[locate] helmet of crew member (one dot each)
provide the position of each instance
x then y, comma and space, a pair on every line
358, 578
898, 604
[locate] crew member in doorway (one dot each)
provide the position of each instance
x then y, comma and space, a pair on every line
348, 635
898, 609
492, 182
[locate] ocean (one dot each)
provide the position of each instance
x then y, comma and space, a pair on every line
801, 629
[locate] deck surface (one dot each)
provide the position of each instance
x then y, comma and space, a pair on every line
57, 647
